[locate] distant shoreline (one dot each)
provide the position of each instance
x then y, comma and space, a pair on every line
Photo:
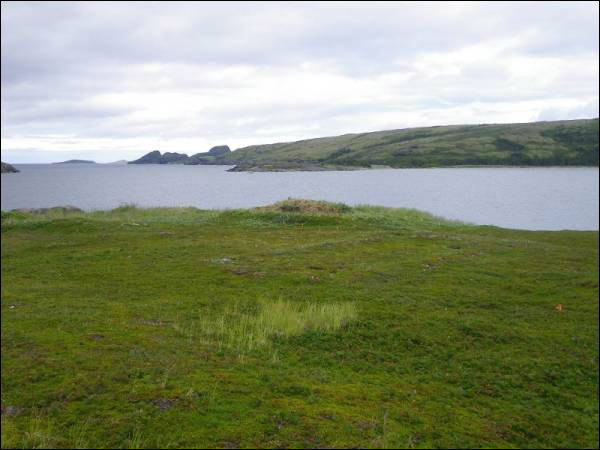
257, 169
76, 161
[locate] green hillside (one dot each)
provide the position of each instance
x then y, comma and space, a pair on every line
300, 325
562, 143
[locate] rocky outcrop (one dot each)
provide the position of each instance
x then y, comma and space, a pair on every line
213, 156
150, 158
216, 155
156, 157
7, 168
219, 150
174, 158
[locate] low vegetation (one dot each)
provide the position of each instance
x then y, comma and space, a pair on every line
301, 324
562, 143
307, 207
244, 328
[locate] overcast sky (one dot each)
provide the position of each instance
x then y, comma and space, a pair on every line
114, 80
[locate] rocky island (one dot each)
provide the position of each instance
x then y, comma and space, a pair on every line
7, 168
76, 161
210, 157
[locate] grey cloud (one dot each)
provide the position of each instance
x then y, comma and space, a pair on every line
583, 111
81, 68
60, 110
47, 37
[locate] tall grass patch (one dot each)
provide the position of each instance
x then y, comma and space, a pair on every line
242, 329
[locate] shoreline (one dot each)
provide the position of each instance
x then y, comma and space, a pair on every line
313, 168
258, 168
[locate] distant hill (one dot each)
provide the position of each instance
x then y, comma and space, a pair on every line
156, 157
210, 156
7, 168
561, 143
76, 161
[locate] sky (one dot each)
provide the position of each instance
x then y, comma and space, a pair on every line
114, 80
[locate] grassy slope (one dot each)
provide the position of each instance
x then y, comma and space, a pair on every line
542, 143
456, 342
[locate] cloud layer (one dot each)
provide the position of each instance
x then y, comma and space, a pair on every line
112, 80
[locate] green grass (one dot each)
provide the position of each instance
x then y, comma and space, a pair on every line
307, 207
559, 143
298, 325
241, 330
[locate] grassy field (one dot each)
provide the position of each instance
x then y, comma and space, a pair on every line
298, 325
559, 143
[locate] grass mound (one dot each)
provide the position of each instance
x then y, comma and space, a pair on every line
307, 207
286, 212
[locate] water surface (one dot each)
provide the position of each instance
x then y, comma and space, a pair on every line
527, 198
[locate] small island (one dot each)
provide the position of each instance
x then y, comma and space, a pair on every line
76, 161
7, 168
121, 162
213, 156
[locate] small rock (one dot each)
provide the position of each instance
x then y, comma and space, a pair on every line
164, 403
222, 261
10, 410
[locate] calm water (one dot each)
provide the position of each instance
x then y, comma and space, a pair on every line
529, 198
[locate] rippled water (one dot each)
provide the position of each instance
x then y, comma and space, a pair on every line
529, 198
